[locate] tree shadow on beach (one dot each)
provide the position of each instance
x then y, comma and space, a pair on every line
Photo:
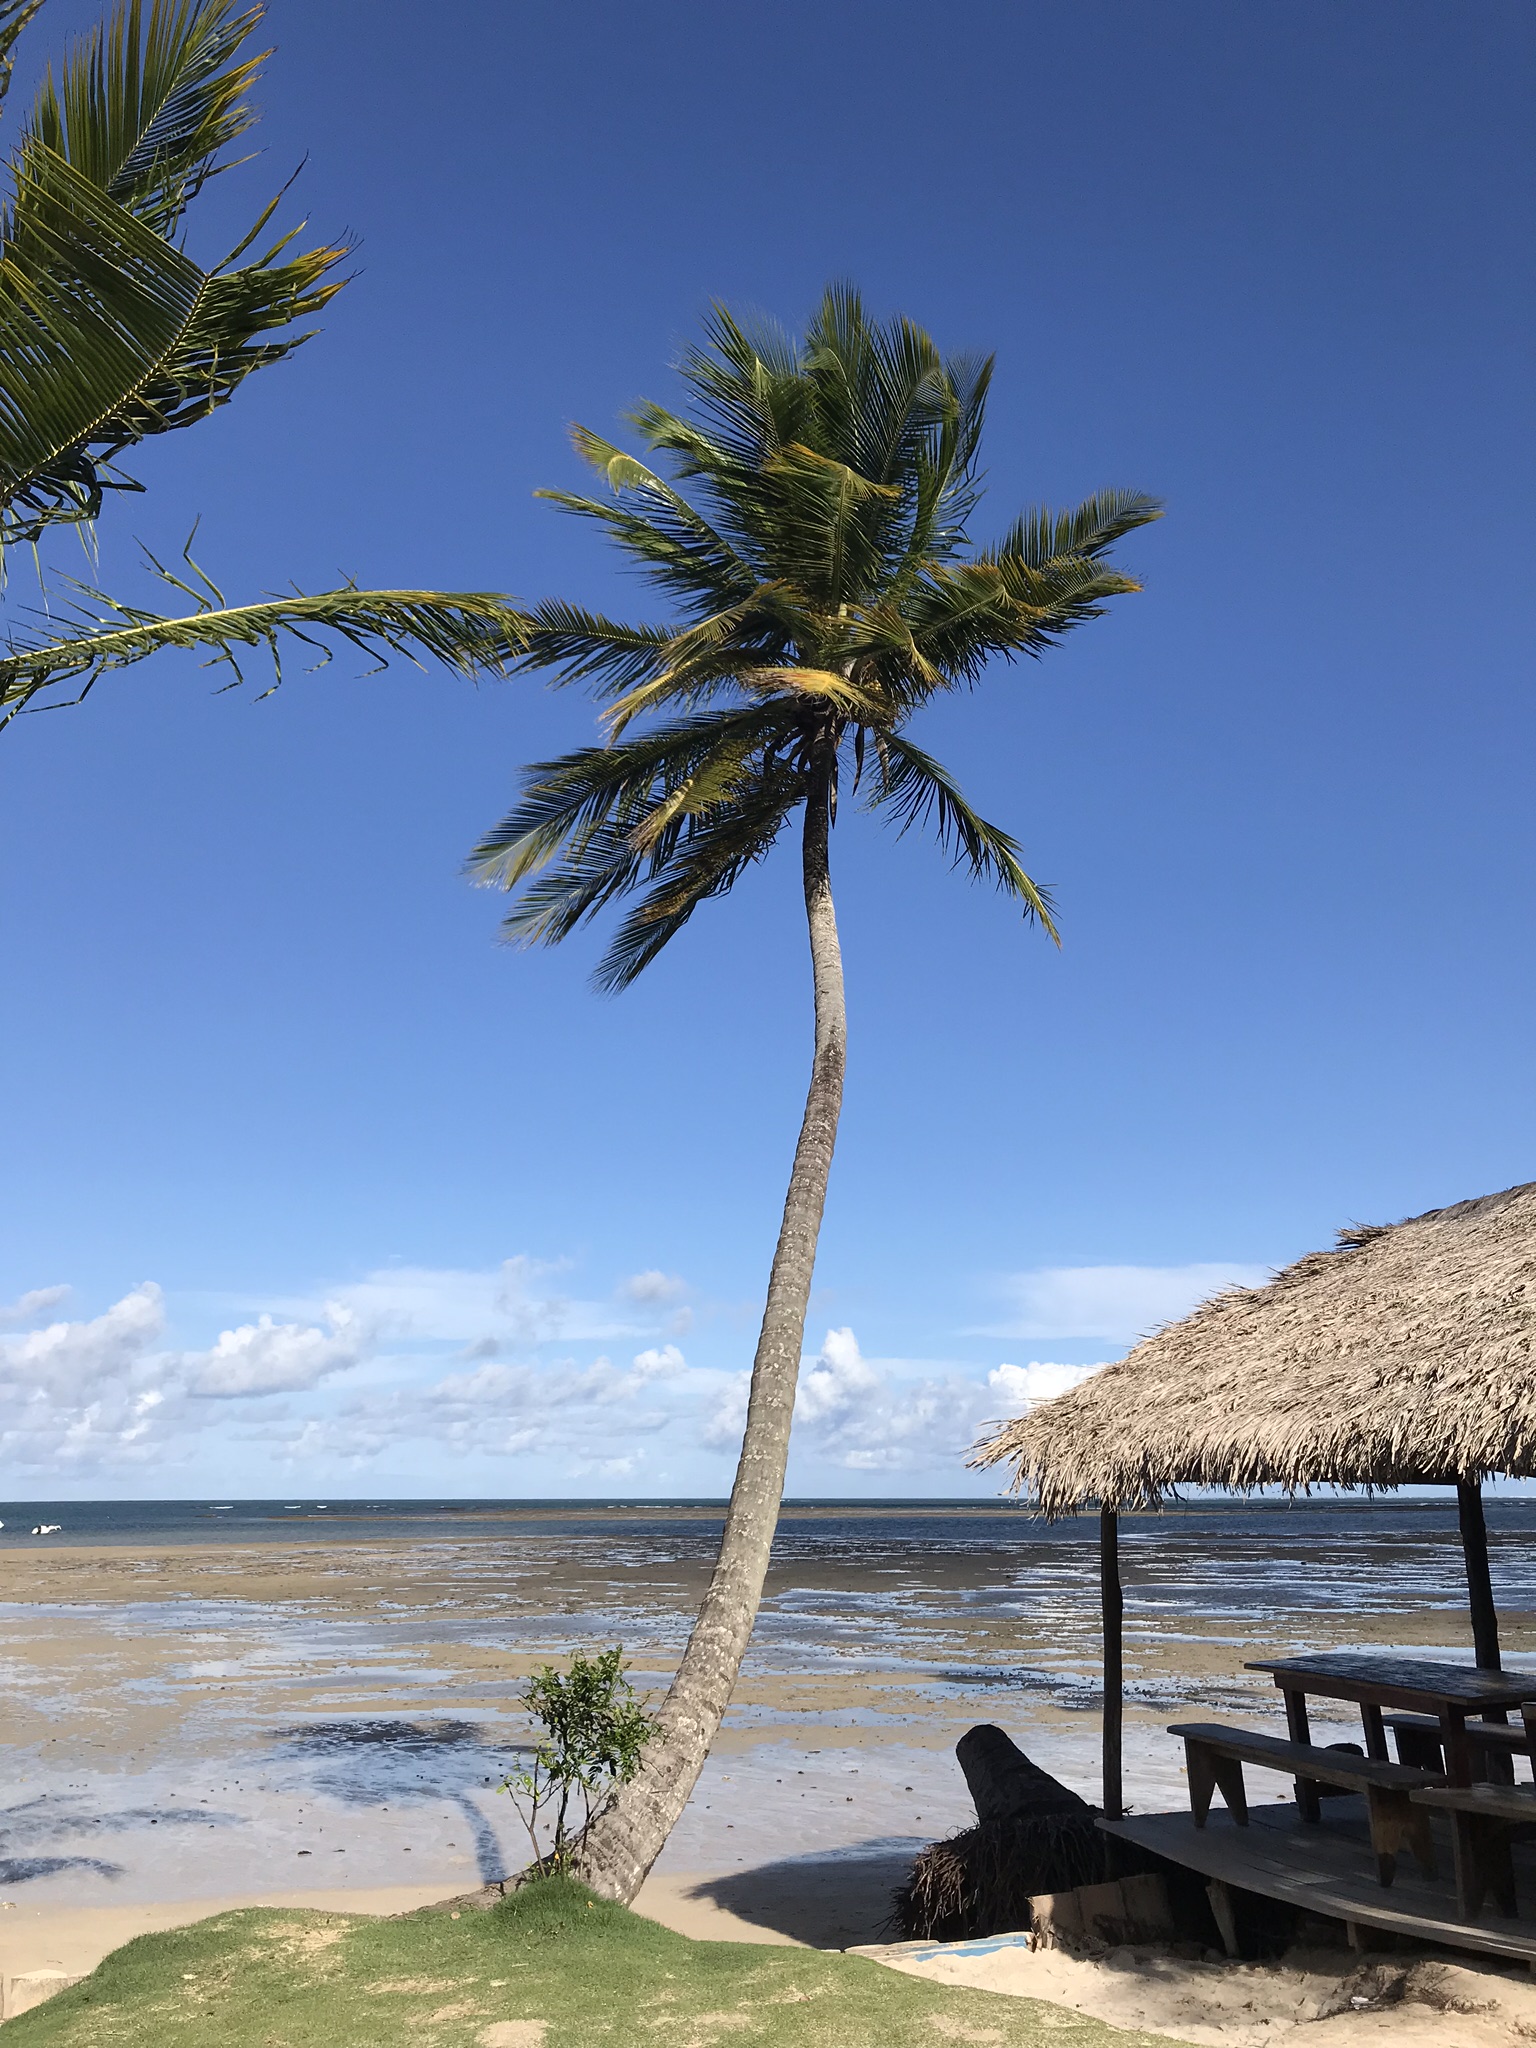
381, 1761
833, 1901
19, 1869
44, 1822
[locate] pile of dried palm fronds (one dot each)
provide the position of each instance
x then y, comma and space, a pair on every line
1032, 1835
982, 1880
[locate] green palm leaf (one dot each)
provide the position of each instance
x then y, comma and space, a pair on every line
468, 630
669, 808
707, 863
143, 110
108, 333
92, 305
1089, 531
917, 791
14, 16
584, 645
594, 788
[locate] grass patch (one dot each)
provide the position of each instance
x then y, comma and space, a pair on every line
551, 1968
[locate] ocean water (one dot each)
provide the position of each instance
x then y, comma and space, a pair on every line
1200, 1558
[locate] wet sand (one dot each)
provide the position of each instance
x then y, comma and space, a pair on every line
192, 1723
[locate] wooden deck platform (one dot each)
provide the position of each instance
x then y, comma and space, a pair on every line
1328, 1869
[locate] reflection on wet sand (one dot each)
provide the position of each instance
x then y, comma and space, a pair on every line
188, 1720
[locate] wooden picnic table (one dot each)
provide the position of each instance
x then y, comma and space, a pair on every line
1420, 1684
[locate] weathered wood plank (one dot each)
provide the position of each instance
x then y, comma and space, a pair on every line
1501, 1802
1329, 1766
1327, 1870
1397, 1681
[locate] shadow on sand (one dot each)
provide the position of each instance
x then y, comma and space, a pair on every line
833, 1901
19, 1869
373, 1762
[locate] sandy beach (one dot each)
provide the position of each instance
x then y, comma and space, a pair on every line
328, 1721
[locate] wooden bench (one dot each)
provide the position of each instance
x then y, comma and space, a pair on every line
1216, 1753
1483, 1820
1495, 1744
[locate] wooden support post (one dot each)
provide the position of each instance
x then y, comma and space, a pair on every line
1308, 1803
1220, 1896
1474, 1545
1112, 1604
1494, 1764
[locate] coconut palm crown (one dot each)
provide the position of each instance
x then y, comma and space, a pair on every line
808, 520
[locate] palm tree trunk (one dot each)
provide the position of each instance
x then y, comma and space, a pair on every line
627, 1840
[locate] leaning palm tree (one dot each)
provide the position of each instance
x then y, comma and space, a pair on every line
813, 539
111, 333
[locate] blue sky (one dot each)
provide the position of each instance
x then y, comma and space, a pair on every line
507, 1236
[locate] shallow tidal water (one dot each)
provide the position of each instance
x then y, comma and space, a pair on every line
207, 1698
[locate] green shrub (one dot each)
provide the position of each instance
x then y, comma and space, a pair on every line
594, 1727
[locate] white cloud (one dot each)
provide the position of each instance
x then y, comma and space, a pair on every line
64, 1361
510, 1306
278, 1358
666, 1363
103, 1390
82, 1393
1018, 1387
498, 1410
883, 1415
415, 1367
652, 1288
870, 1417
108, 1389
1117, 1303
838, 1382
721, 1428
31, 1306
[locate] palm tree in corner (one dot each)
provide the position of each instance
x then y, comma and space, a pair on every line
110, 333
807, 520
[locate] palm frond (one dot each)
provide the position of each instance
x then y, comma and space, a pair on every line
239, 311
584, 645
110, 335
594, 824
704, 659
144, 109
92, 305
684, 557
716, 569
14, 16
882, 395
879, 641
707, 863
470, 631
962, 614
748, 386
917, 791
830, 525
1040, 537
854, 700
574, 796
558, 897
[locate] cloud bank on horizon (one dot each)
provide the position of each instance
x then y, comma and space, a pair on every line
435, 1379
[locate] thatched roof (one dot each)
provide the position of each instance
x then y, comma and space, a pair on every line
1407, 1354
